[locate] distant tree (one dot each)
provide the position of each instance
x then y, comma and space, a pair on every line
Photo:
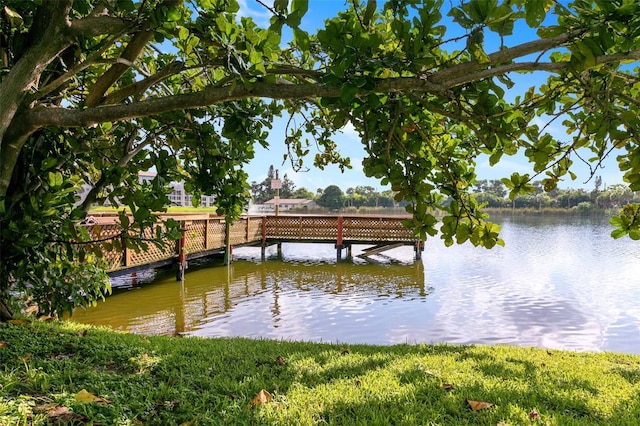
303, 193
332, 198
363, 195
387, 199
288, 187
490, 199
619, 195
261, 192
569, 198
497, 187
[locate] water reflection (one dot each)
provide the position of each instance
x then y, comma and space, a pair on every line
556, 284
276, 298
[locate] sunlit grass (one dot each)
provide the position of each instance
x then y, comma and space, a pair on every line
174, 381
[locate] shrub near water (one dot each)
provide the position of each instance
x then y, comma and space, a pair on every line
62, 373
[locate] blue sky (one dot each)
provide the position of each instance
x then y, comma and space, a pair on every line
349, 143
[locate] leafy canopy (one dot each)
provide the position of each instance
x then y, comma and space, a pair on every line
95, 91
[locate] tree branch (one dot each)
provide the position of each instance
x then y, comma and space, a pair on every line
130, 54
92, 26
503, 56
106, 80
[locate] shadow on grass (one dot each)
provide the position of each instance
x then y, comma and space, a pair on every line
167, 381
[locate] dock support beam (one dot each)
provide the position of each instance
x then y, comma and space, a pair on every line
227, 239
419, 248
339, 239
182, 259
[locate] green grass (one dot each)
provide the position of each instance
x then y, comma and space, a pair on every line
192, 381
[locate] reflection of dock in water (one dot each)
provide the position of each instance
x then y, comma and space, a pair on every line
210, 294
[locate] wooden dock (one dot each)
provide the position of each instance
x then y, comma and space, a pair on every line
206, 236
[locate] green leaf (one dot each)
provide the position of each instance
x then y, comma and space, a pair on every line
507, 182
495, 158
300, 6
55, 179
534, 12
173, 14
501, 20
348, 92
551, 31
462, 233
461, 18
301, 38
478, 53
280, 5
616, 221
183, 33
618, 233
48, 163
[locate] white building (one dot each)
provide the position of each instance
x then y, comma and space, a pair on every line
178, 196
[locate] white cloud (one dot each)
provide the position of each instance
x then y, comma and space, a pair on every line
260, 15
350, 132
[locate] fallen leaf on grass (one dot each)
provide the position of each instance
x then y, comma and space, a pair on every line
262, 398
534, 414
25, 358
86, 397
3, 344
59, 414
48, 408
446, 386
280, 360
478, 405
19, 322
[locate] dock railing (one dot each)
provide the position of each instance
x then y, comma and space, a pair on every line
204, 235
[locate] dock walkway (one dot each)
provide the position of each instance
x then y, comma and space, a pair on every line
204, 236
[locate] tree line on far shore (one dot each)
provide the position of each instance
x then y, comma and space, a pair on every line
492, 193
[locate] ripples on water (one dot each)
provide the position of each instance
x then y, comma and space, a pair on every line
555, 284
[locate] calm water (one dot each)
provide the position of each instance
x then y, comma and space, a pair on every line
558, 283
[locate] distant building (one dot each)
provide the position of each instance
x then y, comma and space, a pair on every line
178, 196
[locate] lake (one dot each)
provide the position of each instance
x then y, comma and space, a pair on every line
559, 283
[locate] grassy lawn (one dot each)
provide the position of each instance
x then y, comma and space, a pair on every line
65, 373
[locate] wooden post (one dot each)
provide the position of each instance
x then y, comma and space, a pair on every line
126, 253
206, 234
339, 239
419, 247
264, 237
182, 260
227, 239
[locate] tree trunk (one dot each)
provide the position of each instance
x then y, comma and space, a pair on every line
5, 312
